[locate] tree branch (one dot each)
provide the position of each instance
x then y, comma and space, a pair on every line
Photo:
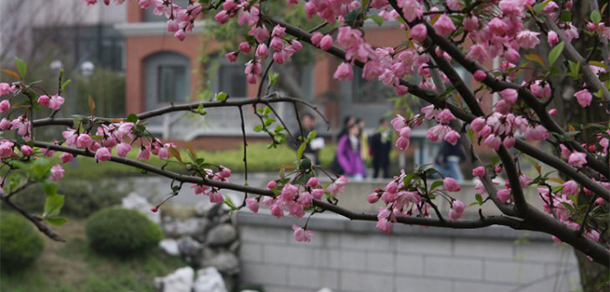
37, 221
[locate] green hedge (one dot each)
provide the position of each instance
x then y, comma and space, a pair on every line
20, 243
122, 232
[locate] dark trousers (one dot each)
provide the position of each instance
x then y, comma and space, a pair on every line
381, 162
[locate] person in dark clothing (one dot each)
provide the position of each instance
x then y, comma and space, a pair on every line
348, 121
448, 160
380, 147
308, 122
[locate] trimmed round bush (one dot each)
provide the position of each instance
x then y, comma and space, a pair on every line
122, 232
20, 243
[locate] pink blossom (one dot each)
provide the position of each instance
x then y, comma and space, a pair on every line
326, 43
337, 186
4, 105
317, 194
252, 204
600, 201
471, 23
289, 192
373, 198
511, 7
5, 88
445, 116
479, 75
444, 25
103, 154
26, 150
271, 185
316, 37
222, 17
528, 39
301, 234
180, 35
509, 95
452, 137
172, 25
398, 123
411, 9
84, 141
577, 159
123, 149
313, 183
552, 38
6, 148
570, 187
279, 31
384, 225
402, 143
497, 26
536, 133
66, 157
244, 47
44, 100
276, 44
262, 51
276, 211
457, 210
57, 172
419, 32
451, 185
478, 53
344, 72
144, 153
305, 199
504, 195
224, 172
583, 97
5, 124
478, 171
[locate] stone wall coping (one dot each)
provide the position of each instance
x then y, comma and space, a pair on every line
333, 222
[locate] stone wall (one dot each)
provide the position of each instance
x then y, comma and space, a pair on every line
354, 256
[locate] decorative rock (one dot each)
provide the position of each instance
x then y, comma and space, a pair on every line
209, 280
136, 202
203, 208
179, 281
170, 246
222, 234
226, 262
234, 246
189, 248
187, 227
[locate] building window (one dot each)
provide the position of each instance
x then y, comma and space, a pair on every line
369, 91
232, 80
167, 79
171, 83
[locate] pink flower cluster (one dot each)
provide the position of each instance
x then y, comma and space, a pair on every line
500, 129
294, 201
222, 175
402, 199
54, 102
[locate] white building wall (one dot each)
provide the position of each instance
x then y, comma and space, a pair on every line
354, 256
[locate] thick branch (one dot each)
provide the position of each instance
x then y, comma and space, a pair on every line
572, 54
35, 220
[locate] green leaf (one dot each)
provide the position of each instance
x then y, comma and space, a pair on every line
540, 6
301, 150
408, 178
227, 201
53, 205
555, 52
258, 128
436, 184
132, 118
574, 69
49, 188
21, 67
65, 84
311, 136
273, 77
377, 19
57, 221
221, 96
175, 153
91, 106
566, 16
535, 58
596, 16
479, 199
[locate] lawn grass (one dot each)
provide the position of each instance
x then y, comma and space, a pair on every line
73, 267
260, 159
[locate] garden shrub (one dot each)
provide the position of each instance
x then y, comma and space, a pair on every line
20, 243
83, 197
122, 232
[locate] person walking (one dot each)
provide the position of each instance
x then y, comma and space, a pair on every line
348, 154
448, 160
381, 145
